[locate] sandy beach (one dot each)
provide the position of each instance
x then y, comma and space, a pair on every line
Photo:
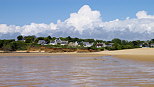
142, 54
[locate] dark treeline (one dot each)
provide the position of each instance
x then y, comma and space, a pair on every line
25, 42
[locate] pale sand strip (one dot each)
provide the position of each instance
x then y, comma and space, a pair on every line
145, 54
141, 54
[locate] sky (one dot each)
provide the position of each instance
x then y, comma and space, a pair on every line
100, 19
21, 12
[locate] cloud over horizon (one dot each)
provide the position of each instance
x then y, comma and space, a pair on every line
87, 23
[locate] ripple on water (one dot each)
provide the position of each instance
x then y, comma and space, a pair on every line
69, 71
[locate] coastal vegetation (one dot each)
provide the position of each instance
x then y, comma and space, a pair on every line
69, 44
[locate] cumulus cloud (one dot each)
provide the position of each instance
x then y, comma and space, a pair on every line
87, 23
143, 14
84, 18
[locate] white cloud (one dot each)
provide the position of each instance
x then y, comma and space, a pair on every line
34, 29
87, 23
85, 17
143, 14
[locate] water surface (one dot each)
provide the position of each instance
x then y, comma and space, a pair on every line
73, 71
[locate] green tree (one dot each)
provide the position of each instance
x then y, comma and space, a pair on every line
53, 38
30, 39
47, 40
152, 40
49, 37
89, 40
116, 40
7, 47
99, 41
20, 37
124, 42
1, 43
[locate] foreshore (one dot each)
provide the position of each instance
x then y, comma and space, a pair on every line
139, 54
142, 54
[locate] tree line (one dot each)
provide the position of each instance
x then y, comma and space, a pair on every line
25, 42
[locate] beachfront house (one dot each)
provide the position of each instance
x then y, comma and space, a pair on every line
141, 45
73, 44
109, 45
42, 42
100, 45
87, 44
53, 43
144, 45
152, 45
58, 41
64, 43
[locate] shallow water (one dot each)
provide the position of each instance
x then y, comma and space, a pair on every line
70, 71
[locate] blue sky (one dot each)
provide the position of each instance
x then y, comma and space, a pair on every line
22, 12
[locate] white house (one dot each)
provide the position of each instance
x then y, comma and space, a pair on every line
53, 43
100, 45
152, 45
109, 45
42, 42
64, 43
141, 45
87, 44
58, 41
73, 44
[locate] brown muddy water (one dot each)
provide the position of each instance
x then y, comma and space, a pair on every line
73, 71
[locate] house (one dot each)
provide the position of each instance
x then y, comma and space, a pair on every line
58, 41
100, 45
109, 45
53, 43
64, 43
87, 44
73, 44
145, 45
152, 45
141, 45
42, 42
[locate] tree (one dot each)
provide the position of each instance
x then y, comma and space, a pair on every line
7, 47
40, 38
1, 43
47, 40
20, 37
135, 43
124, 42
99, 41
116, 40
53, 38
49, 37
89, 40
152, 40
69, 39
29, 39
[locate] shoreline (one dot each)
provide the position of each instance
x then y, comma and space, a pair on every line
141, 54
